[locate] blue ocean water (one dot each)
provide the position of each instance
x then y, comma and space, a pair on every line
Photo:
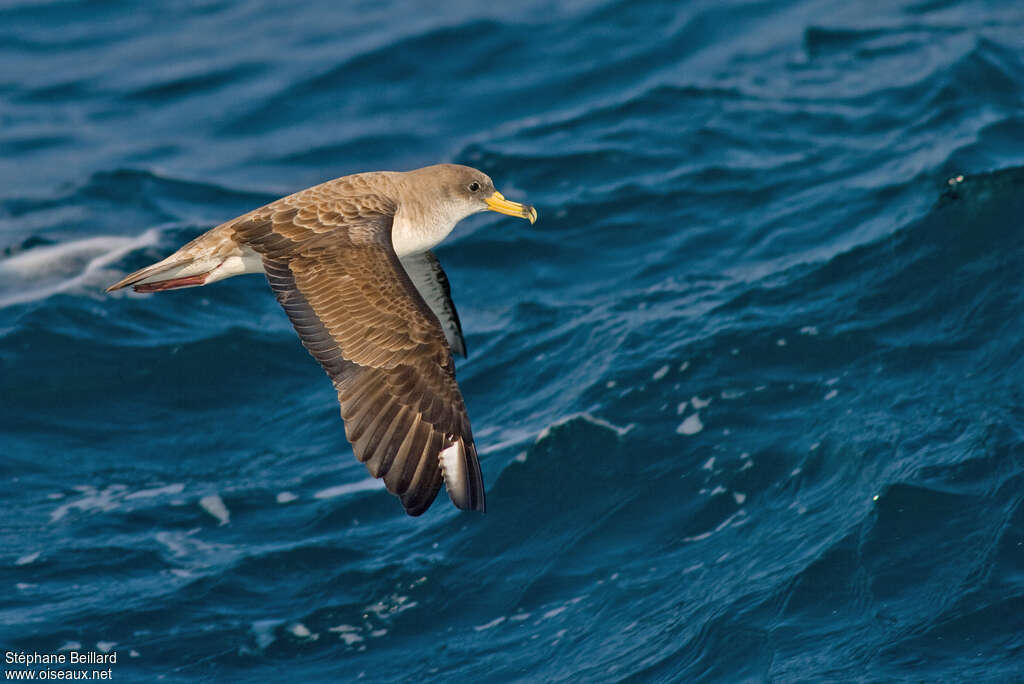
748, 396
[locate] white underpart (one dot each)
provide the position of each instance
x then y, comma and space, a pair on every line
219, 267
453, 467
219, 255
248, 262
413, 231
428, 230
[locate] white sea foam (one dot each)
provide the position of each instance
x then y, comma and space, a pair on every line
698, 537
300, 631
493, 623
187, 544
28, 558
553, 612
214, 505
176, 488
691, 425
507, 438
286, 497
394, 603
66, 267
264, 632
718, 528
92, 500
350, 488
593, 420
660, 373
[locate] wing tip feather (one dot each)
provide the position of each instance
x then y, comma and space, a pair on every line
462, 478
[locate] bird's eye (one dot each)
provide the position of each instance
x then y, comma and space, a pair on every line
474, 186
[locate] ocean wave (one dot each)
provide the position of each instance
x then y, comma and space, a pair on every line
193, 82
763, 337
75, 267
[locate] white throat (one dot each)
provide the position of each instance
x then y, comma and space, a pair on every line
415, 235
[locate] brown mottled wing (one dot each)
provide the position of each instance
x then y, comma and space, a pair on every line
332, 267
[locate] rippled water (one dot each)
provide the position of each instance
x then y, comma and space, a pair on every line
748, 396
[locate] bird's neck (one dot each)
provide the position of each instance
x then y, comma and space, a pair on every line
414, 232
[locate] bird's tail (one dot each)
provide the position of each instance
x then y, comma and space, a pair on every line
212, 256
170, 274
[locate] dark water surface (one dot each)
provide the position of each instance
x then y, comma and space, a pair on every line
748, 396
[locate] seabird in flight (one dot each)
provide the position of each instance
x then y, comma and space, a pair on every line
349, 260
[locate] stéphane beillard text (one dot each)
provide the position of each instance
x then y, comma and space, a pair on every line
69, 658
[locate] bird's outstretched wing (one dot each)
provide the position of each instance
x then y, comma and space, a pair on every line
432, 283
333, 269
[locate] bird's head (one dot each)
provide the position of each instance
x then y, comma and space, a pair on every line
469, 191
